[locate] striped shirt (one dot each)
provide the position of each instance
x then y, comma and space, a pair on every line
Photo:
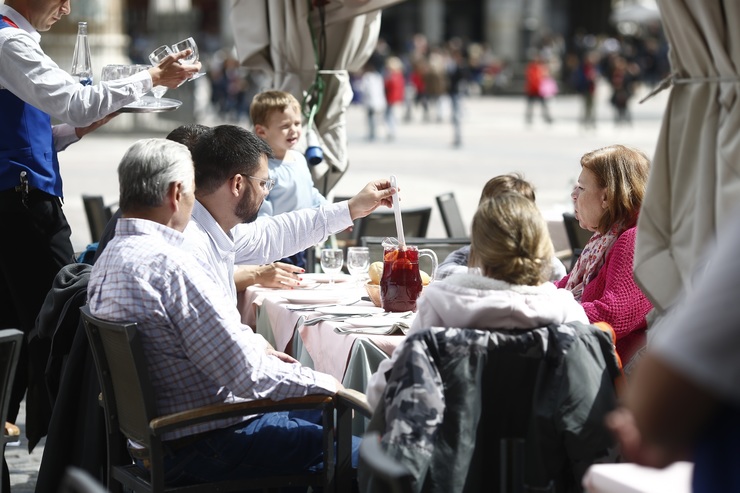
260, 242
193, 339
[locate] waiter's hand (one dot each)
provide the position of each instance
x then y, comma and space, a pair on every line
82, 131
171, 73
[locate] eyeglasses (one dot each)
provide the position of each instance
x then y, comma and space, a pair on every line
265, 184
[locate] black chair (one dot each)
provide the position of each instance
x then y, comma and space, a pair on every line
78, 481
577, 236
441, 246
451, 217
98, 215
129, 406
383, 223
455, 417
10, 349
395, 476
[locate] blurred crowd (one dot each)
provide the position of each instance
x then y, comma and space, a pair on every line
425, 81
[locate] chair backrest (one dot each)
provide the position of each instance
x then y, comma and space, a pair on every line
79, 481
97, 214
10, 348
451, 217
383, 223
392, 474
441, 246
577, 236
506, 410
122, 371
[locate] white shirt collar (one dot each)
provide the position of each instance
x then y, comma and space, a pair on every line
21, 21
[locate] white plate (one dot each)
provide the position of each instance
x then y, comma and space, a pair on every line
322, 277
374, 321
349, 310
307, 284
314, 296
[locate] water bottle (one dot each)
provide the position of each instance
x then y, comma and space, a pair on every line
81, 65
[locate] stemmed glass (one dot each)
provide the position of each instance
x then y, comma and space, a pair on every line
358, 261
331, 262
192, 59
156, 58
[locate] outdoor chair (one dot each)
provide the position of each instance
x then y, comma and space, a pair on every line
451, 217
577, 237
98, 215
395, 476
505, 411
383, 223
441, 246
76, 480
10, 348
129, 405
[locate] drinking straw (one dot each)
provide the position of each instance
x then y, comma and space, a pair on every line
397, 213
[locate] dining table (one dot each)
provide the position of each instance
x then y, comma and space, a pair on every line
331, 327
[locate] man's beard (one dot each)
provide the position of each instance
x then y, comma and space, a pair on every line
246, 210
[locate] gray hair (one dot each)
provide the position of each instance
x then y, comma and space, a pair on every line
147, 170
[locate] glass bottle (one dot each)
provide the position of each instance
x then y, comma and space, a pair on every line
81, 65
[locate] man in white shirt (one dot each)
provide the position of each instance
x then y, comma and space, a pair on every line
36, 235
196, 349
232, 180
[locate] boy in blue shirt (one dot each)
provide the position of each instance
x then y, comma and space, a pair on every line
276, 116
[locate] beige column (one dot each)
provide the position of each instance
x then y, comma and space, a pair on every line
503, 22
432, 21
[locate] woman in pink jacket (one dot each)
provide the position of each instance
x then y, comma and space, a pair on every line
607, 201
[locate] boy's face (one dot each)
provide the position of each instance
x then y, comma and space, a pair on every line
282, 130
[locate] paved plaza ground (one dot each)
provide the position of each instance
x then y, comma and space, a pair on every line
495, 140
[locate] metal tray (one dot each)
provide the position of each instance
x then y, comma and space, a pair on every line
149, 104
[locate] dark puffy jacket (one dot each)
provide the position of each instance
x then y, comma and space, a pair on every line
456, 396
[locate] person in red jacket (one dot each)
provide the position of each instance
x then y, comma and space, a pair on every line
607, 201
537, 81
395, 86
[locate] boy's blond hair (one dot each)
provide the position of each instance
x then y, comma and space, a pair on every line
268, 101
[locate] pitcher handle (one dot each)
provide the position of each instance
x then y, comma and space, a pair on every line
435, 263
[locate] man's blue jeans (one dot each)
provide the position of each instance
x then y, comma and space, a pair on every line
271, 444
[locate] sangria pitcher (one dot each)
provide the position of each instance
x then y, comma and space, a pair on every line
401, 283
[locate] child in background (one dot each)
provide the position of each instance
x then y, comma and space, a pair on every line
276, 116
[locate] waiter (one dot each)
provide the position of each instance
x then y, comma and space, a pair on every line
35, 240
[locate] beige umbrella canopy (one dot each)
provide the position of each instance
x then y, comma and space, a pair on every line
694, 183
283, 38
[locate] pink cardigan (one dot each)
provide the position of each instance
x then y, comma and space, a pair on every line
613, 297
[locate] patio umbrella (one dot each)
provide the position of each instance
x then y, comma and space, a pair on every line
275, 37
694, 182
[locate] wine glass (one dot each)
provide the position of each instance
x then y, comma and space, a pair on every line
111, 72
192, 59
156, 58
358, 261
331, 262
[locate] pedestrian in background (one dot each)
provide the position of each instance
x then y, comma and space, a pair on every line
395, 87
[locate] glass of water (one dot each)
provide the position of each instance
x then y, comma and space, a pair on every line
358, 261
156, 57
192, 59
331, 262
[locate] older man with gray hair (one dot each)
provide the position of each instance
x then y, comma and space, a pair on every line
197, 351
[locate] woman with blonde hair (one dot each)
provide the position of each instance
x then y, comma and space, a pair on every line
607, 201
508, 286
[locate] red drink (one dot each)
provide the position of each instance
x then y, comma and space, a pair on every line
400, 285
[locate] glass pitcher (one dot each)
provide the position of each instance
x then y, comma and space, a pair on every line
401, 283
